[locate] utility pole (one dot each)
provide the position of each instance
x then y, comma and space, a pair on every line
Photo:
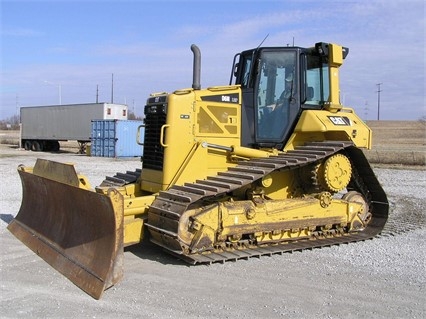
366, 110
378, 100
112, 88
17, 105
97, 93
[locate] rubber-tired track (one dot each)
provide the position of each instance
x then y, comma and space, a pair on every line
171, 204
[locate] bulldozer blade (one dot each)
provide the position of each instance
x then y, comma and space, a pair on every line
77, 231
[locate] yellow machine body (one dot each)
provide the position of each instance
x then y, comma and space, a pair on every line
203, 193
193, 122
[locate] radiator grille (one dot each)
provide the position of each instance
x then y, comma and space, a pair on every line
155, 118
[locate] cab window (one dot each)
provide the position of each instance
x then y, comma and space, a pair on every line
275, 89
317, 83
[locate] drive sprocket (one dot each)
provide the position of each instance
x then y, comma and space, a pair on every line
335, 173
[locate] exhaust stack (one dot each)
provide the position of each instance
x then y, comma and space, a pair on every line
196, 85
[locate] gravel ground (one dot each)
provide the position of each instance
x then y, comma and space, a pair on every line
380, 278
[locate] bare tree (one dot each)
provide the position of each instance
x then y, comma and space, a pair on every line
10, 123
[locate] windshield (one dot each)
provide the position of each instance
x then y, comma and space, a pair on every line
275, 91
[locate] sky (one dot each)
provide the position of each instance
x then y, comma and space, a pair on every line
76, 51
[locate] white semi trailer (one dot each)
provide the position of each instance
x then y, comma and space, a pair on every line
43, 127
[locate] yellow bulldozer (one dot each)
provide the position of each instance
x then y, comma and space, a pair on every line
270, 163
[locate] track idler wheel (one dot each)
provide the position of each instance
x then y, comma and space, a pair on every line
364, 216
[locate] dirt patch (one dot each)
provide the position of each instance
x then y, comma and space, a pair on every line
398, 142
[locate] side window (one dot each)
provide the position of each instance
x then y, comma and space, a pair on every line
246, 73
313, 94
317, 84
325, 83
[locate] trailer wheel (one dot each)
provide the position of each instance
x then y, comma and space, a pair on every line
46, 146
27, 145
35, 146
54, 146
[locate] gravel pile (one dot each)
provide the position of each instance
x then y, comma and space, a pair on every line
379, 278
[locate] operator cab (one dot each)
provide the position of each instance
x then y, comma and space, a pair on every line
277, 84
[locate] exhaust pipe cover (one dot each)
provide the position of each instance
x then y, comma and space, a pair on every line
196, 85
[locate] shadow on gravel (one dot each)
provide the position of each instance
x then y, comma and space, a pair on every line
150, 251
7, 218
145, 250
